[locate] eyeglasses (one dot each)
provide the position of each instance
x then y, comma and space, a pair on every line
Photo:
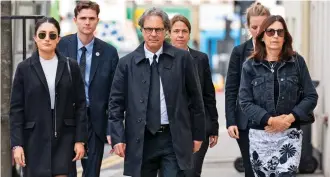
271, 32
150, 30
43, 35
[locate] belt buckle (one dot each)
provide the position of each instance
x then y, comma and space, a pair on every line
161, 129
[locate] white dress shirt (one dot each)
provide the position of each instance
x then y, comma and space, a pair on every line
50, 67
163, 109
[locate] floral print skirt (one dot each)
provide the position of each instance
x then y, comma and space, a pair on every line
275, 154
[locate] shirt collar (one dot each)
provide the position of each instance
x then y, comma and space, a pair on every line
150, 54
89, 46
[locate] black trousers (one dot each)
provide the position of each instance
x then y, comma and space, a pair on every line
244, 145
159, 156
198, 160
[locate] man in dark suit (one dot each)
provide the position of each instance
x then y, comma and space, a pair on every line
152, 89
97, 61
180, 36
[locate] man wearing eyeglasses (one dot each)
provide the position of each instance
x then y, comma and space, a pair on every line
153, 86
97, 61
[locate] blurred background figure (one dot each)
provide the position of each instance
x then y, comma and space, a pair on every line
180, 35
237, 123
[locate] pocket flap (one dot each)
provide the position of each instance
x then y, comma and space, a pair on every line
28, 125
70, 122
293, 79
258, 81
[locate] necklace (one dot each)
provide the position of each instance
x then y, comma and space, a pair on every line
272, 66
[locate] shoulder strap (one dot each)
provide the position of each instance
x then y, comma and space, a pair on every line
69, 68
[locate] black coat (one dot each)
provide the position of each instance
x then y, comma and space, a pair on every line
234, 114
31, 121
211, 114
129, 95
104, 63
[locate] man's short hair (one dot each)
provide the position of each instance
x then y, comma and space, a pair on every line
86, 5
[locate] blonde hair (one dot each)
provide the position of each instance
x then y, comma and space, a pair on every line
256, 9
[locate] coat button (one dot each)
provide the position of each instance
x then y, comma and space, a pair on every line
138, 140
141, 101
139, 120
144, 81
282, 79
282, 97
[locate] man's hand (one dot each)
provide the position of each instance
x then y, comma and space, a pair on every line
233, 131
109, 142
80, 151
109, 139
213, 141
19, 156
197, 146
120, 149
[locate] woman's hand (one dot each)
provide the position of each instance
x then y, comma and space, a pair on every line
19, 156
278, 124
80, 151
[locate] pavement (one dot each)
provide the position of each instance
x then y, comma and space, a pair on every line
218, 161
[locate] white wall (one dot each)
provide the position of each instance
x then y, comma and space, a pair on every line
308, 23
319, 66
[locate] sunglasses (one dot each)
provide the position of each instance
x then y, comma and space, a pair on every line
271, 32
43, 35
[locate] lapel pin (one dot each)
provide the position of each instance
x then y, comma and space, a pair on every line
97, 54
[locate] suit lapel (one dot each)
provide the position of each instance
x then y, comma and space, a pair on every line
38, 68
193, 53
96, 57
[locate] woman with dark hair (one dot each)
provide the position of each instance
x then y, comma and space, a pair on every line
48, 109
270, 97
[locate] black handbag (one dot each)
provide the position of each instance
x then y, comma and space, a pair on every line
311, 117
74, 107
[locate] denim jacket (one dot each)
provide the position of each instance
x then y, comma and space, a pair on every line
256, 94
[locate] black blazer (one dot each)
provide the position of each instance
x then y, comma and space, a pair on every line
129, 95
234, 115
104, 63
31, 121
211, 114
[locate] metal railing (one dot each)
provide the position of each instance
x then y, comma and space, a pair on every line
23, 18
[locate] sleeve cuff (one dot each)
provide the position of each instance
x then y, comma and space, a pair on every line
264, 120
296, 116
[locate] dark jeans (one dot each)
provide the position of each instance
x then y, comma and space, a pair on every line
158, 154
198, 159
244, 145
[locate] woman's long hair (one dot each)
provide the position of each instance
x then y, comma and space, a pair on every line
260, 52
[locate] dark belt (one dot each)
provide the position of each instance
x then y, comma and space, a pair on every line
163, 128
